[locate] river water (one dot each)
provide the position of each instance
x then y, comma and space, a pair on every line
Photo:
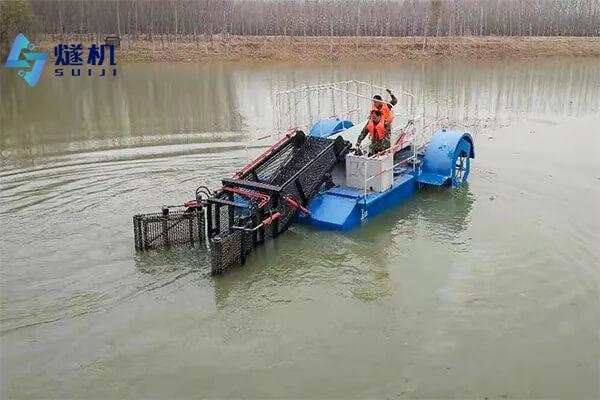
488, 291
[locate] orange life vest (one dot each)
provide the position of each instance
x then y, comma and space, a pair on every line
386, 112
376, 132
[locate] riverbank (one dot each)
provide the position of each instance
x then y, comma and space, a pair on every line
331, 49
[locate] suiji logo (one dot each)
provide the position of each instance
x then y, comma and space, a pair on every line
72, 60
30, 72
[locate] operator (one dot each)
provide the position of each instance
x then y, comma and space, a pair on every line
384, 107
379, 132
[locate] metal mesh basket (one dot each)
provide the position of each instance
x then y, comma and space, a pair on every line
164, 229
229, 250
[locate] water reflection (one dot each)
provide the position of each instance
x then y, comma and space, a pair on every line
447, 210
148, 101
501, 91
152, 104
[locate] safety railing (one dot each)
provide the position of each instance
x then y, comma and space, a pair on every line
350, 99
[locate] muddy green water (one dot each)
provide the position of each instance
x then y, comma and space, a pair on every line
490, 291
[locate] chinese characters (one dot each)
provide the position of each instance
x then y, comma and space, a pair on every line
96, 57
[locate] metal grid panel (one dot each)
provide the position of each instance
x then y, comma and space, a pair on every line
158, 230
225, 251
268, 170
229, 250
307, 183
310, 150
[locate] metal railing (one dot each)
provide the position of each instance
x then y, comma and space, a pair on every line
303, 106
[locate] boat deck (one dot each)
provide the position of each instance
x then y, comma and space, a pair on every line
342, 207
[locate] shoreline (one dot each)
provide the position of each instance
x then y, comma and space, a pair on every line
313, 49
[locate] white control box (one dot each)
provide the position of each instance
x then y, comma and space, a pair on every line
355, 172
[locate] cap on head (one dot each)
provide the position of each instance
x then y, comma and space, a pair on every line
377, 97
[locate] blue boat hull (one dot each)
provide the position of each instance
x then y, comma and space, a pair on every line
343, 208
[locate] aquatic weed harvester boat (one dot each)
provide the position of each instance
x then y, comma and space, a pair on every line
316, 178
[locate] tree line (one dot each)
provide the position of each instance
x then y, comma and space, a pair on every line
173, 18
321, 17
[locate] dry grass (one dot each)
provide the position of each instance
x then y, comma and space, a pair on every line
328, 49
